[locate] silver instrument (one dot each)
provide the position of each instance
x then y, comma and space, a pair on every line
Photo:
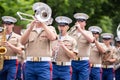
118, 31
42, 14
56, 51
20, 14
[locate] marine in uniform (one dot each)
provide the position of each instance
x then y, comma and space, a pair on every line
13, 47
96, 52
64, 50
109, 58
117, 63
84, 38
37, 39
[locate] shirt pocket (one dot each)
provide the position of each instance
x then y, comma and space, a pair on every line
14, 41
31, 39
82, 40
43, 38
68, 44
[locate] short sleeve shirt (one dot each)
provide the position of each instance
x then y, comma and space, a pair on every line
38, 44
82, 43
70, 43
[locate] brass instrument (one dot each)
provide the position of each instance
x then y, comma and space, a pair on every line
72, 30
3, 49
42, 14
117, 64
118, 31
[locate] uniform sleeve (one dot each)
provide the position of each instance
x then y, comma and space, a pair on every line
104, 47
89, 33
52, 29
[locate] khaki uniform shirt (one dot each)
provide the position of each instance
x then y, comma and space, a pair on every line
118, 54
110, 54
95, 55
38, 44
82, 43
14, 39
70, 43
117, 63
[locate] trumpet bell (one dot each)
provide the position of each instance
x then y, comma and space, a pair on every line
43, 13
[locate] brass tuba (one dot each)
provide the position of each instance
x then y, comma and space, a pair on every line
3, 49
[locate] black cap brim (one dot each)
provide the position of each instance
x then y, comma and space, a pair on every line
7, 22
62, 24
80, 19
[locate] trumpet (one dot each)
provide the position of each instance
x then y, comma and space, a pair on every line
42, 14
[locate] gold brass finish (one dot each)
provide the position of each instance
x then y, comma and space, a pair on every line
3, 49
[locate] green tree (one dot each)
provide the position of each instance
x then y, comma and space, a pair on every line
103, 13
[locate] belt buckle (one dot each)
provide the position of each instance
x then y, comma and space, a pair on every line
78, 58
7, 57
94, 65
60, 63
105, 66
35, 59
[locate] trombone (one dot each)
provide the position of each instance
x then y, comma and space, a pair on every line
24, 14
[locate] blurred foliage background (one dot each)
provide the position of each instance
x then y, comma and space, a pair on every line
103, 13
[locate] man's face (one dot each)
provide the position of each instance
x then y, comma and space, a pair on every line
107, 40
96, 34
118, 43
82, 22
9, 26
63, 28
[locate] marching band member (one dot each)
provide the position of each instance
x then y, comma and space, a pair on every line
84, 38
37, 38
96, 51
13, 48
64, 50
108, 58
117, 63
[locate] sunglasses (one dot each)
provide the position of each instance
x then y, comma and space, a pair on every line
7, 23
118, 42
62, 25
81, 20
106, 38
95, 32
